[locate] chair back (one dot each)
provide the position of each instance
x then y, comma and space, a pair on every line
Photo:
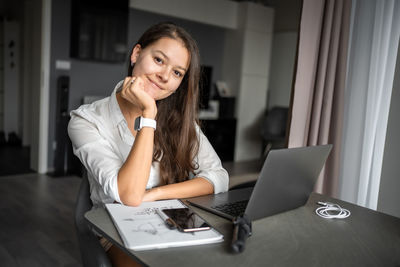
274, 124
92, 253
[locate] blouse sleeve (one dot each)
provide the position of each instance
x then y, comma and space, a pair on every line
210, 166
96, 154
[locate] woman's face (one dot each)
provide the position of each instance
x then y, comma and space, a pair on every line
162, 65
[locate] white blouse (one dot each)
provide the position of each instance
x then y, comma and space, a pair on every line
102, 141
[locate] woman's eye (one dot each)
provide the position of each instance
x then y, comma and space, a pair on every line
158, 60
178, 74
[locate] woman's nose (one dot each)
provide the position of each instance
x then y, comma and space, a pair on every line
164, 74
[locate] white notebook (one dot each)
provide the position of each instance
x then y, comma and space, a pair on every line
141, 228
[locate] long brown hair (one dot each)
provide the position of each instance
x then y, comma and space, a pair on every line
176, 143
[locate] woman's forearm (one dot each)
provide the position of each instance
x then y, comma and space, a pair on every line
191, 188
134, 173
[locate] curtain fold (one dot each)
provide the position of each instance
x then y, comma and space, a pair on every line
373, 53
317, 99
345, 70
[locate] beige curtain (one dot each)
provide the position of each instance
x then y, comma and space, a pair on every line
317, 96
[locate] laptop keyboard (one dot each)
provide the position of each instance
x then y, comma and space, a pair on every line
234, 209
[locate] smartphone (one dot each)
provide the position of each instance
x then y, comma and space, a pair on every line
186, 220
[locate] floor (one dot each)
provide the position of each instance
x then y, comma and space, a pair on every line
36, 224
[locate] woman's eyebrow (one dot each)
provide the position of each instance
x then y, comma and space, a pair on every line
164, 55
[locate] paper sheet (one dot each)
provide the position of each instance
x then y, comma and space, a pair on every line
141, 228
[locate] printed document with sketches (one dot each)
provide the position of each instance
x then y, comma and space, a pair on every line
141, 228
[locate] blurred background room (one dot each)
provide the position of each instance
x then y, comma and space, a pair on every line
56, 55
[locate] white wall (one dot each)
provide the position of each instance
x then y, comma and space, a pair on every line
389, 196
282, 69
256, 26
221, 13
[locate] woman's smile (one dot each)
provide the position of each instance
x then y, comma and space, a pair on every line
154, 84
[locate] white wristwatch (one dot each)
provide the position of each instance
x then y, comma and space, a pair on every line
141, 122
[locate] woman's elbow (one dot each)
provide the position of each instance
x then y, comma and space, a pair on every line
224, 181
226, 185
132, 200
135, 203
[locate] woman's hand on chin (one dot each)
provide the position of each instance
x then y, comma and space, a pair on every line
133, 91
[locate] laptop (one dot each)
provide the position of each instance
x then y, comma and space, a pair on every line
285, 182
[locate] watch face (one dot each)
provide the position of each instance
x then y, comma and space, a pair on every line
136, 127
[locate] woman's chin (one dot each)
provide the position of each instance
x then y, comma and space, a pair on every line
155, 97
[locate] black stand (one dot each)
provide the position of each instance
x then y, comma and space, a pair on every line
241, 231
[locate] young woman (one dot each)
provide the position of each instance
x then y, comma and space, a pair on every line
165, 155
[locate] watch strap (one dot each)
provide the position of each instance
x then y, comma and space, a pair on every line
141, 122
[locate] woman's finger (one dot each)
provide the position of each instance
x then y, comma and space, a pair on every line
133, 80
